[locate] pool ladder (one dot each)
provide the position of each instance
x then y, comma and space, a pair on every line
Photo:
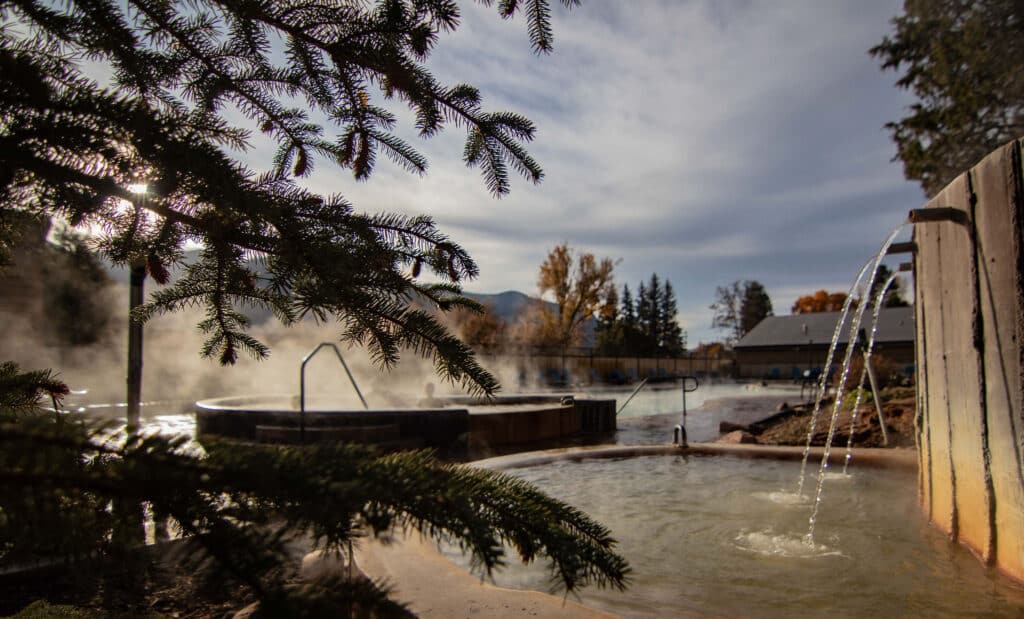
690, 384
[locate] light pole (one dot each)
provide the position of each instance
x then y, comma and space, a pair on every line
130, 528
136, 284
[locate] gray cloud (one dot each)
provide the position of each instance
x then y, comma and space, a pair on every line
704, 141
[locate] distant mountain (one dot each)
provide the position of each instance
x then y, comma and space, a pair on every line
507, 305
510, 304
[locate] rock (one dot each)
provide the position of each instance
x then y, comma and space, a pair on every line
727, 426
738, 437
320, 565
784, 406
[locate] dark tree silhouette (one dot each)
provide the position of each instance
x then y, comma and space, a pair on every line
726, 308
649, 327
964, 61
672, 337
739, 306
756, 305
894, 295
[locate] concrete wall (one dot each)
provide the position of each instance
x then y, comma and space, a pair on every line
970, 323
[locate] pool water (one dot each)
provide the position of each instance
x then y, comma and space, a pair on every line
723, 536
668, 398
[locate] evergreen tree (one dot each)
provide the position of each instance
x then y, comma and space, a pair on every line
652, 328
643, 308
239, 507
893, 296
755, 307
608, 332
632, 331
629, 317
673, 338
640, 342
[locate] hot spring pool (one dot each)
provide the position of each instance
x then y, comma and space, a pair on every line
721, 537
668, 398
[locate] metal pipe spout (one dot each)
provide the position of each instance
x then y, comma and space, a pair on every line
938, 213
902, 248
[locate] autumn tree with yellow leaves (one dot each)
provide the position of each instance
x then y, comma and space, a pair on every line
820, 301
582, 287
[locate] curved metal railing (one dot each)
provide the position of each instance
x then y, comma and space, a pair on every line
302, 384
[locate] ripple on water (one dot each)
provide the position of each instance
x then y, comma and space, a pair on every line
783, 497
787, 545
837, 476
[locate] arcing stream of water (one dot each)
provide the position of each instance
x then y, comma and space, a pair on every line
840, 387
869, 347
823, 379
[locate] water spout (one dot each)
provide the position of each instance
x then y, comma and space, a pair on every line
909, 247
939, 213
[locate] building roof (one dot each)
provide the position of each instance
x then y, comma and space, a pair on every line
895, 325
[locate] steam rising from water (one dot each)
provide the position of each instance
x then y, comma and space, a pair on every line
173, 370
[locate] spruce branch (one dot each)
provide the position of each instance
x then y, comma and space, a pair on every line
71, 147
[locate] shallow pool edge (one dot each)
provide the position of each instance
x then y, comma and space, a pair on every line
891, 458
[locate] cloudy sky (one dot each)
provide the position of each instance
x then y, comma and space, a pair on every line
707, 141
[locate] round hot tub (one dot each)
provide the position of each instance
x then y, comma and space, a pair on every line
451, 425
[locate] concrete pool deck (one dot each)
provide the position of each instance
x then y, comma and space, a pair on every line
434, 587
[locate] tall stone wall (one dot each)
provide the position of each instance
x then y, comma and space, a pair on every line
970, 323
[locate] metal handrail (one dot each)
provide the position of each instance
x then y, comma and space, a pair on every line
302, 385
680, 431
635, 391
